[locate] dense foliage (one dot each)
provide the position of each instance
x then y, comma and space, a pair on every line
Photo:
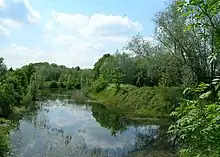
145, 76
18, 88
198, 122
185, 53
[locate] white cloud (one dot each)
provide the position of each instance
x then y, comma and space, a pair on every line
18, 55
7, 26
19, 10
64, 39
82, 54
94, 25
2, 4
9, 23
32, 16
100, 24
74, 39
87, 38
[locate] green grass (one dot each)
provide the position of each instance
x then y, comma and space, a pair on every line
142, 102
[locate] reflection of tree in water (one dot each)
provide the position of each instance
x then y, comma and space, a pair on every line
61, 140
151, 138
30, 112
111, 120
155, 143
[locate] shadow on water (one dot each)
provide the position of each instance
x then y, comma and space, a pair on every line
60, 127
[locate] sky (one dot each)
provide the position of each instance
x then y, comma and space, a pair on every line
71, 32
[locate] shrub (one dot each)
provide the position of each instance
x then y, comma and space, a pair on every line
51, 84
4, 140
54, 84
99, 85
62, 85
197, 125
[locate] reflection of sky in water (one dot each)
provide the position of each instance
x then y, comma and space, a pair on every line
46, 134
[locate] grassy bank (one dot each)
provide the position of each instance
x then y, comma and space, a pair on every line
144, 101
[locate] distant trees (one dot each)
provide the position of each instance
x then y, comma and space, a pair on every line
22, 85
2, 67
185, 52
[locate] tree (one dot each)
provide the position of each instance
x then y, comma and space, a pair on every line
117, 78
141, 47
3, 68
126, 64
190, 30
171, 71
77, 68
29, 70
204, 17
99, 85
33, 88
98, 64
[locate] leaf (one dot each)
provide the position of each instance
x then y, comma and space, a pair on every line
217, 118
187, 13
217, 79
205, 95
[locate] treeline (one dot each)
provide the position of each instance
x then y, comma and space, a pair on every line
22, 85
185, 53
54, 76
185, 50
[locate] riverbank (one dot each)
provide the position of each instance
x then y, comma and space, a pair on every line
153, 102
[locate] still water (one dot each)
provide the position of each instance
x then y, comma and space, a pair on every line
62, 128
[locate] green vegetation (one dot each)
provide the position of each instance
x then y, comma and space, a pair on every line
186, 55
146, 78
20, 87
4, 130
144, 101
198, 121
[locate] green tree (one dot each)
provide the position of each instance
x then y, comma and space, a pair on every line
3, 68
190, 30
98, 64
141, 47
204, 17
99, 85
197, 125
33, 88
117, 78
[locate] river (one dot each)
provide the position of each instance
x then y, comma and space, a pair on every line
62, 128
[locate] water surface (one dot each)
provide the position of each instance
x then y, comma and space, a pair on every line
62, 128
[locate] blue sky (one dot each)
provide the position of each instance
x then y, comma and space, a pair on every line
71, 32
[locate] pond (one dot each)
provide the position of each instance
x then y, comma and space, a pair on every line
62, 128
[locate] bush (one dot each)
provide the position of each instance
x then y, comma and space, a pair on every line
54, 84
198, 122
51, 84
99, 85
62, 85
4, 139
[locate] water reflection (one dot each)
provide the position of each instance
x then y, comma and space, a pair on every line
115, 122
61, 128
